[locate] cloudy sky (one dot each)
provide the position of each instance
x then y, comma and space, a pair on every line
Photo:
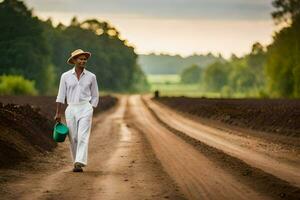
173, 26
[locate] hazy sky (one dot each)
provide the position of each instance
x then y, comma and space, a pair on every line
173, 26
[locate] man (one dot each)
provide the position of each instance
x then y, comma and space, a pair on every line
79, 87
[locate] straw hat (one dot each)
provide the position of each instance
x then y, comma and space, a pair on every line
78, 52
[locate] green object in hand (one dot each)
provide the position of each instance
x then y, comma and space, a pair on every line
60, 132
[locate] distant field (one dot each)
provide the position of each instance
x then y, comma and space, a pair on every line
169, 85
163, 78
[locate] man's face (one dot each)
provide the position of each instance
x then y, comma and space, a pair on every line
80, 60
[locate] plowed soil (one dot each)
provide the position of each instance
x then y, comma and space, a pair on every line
279, 116
26, 125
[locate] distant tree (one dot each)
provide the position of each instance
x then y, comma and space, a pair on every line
241, 77
283, 55
216, 76
191, 74
257, 48
256, 61
74, 22
286, 10
283, 63
23, 48
233, 57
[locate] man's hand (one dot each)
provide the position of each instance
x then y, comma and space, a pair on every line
57, 117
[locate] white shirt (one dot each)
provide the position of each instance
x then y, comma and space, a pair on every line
76, 91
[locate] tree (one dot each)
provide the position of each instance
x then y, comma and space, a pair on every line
114, 62
286, 10
38, 51
283, 60
191, 74
256, 61
241, 77
23, 48
283, 63
216, 76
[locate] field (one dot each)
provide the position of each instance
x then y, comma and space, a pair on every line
170, 85
279, 116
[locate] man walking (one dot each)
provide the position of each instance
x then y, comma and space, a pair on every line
79, 87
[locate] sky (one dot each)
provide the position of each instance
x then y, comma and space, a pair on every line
182, 27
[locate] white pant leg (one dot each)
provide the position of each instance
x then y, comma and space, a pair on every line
71, 120
84, 130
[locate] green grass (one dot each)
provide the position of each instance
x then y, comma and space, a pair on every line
170, 85
163, 78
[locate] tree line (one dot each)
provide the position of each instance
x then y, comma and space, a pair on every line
169, 64
37, 50
271, 71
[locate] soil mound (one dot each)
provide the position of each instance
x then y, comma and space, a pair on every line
24, 133
280, 116
26, 125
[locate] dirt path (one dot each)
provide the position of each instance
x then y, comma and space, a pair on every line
198, 176
121, 165
244, 148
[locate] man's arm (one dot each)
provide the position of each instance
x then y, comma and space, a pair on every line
58, 112
60, 99
94, 92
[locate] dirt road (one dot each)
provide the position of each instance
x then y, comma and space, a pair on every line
142, 150
255, 153
121, 165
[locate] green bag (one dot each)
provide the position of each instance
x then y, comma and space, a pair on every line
60, 132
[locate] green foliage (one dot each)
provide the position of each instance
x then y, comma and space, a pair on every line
286, 10
167, 64
216, 76
112, 60
283, 58
22, 43
38, 51
16, 85
247, 73
191, 74
227, 91
139, 82
283, 63
49, 80
243, 76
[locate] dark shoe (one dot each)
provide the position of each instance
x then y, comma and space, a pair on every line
80, 164
77, 167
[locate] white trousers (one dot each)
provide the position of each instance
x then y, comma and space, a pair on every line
79, 120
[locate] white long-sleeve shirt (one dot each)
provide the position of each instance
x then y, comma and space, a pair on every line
76, 91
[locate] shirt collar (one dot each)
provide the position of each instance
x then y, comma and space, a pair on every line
73, 70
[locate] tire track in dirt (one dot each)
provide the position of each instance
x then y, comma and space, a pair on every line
255, 178
236, 146
197, 176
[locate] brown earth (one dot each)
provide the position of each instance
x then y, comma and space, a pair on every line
142, 149
251, 160
46, 104
121, 165
26, 125
275, 116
